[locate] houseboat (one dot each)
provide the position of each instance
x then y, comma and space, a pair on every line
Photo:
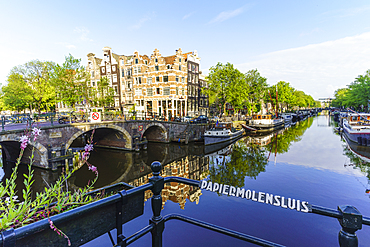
222, 132
357, 128
264, 123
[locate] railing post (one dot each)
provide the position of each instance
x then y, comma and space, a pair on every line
350, 222
2, 123
157, 219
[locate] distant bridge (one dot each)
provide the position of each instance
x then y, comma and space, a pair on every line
51, 147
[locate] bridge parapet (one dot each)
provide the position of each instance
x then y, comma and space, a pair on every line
54, 141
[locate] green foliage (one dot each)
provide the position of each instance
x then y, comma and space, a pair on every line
256, 86
53, 200
17, 93
244, 161
103, 94
356, 94
37, 75
226, 85
71, 81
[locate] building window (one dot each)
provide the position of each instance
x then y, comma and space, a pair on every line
139, 70
122, 62
189, 66
177, 79
165, 78
93, 83
135, 70
183, 79
146, 62
180, 60
92, 74
156, 68
136, 61
116, 89
177, 91
149, 80
183, 91
166, 91
138, 91
158, 90
103, 70
123, 73
139, 80
179, 67
149, 91
157, 78
156, 60
108, 69
168, 66
114, 78
114, 68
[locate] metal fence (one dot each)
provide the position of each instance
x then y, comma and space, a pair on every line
116, 210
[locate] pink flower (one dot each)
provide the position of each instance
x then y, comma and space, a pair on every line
24, 141
93, 168
35, 133
89, 147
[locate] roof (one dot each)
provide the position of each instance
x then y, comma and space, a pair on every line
170, 59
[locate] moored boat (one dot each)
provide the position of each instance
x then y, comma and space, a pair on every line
222, 132
265, 123
357, 128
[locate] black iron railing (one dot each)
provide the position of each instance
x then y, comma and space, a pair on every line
119, 209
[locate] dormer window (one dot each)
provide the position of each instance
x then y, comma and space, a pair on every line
180, 60
136, 61
156, 60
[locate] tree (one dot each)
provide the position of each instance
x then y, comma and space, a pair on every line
37, 75
71, 81
285, 93
256, 87
226, 85
103, 95
17, 94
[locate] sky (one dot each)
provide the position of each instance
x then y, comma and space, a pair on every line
316, 46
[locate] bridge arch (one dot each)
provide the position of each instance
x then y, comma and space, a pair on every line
11, 148
105, 126
159, 126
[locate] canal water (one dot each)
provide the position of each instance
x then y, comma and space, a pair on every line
307, 162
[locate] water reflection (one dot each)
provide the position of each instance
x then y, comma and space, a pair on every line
359, 158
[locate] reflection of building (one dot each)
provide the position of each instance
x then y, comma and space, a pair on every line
189, 167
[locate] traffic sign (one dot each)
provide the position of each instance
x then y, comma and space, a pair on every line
95, 117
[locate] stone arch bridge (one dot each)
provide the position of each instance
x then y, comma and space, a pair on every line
51, 147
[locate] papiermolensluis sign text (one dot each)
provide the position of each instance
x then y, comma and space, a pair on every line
262, 197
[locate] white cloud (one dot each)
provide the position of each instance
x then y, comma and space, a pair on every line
67, 45
188, 15
225, 15
140, 23
342, 13
83, 32
317, 69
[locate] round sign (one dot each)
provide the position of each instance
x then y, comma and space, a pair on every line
140, 128
95, 115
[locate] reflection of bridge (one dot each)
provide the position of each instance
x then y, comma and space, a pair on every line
54, 141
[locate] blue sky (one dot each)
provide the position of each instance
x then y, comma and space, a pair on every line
317, 46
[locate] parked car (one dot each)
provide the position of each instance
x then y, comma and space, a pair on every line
200, 119
185, 119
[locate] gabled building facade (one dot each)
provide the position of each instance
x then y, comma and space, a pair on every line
151, 85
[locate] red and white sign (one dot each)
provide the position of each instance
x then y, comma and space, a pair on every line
140, 128
95, 117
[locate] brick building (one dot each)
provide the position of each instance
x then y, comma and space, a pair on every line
152, 85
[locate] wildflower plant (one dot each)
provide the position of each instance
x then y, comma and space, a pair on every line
55, 199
